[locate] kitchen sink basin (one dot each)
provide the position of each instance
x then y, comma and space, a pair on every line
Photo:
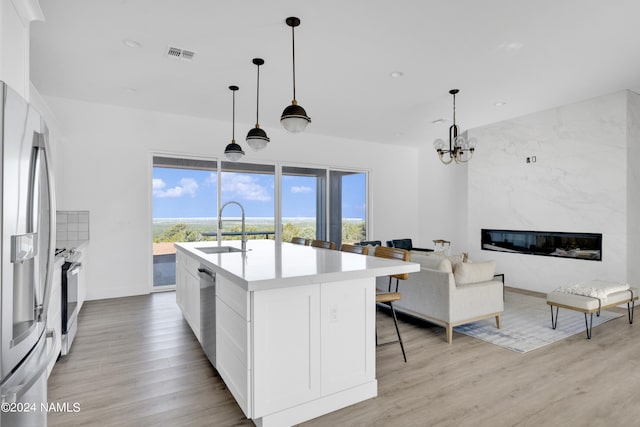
218, 249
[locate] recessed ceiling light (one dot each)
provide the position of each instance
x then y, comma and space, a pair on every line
131, 43
499, 103
511, 46
396, 74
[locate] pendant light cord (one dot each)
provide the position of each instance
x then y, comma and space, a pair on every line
233, 119
257, 95
293, 48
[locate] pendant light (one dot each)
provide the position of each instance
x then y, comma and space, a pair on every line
257, 138
233, 151
460, 148
294, 118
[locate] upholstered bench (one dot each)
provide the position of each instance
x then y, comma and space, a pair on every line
565, 298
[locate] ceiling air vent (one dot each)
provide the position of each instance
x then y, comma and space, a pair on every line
177, 53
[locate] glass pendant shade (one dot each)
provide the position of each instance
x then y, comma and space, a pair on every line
233, 152
257, 138
294, 118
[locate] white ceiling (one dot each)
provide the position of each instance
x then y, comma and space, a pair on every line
533, 55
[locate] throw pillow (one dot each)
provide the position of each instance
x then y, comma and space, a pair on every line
465, 273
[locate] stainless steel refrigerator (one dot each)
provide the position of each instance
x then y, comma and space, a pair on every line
27, 226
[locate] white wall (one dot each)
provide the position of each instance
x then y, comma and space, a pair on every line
443, 201
633, 187
106, 151
15, 17
578, 184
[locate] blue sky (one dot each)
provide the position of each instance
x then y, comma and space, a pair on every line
188, 193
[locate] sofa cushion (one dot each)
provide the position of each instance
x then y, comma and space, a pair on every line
465, 273
434, 262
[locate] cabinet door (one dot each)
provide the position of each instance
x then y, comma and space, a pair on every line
188, 291
348, 334
193, 284
286, 340
82, 278
54, 317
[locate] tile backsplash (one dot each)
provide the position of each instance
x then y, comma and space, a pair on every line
72, 228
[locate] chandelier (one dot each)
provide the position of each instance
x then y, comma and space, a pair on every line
460, 148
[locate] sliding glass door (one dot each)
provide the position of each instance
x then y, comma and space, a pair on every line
314, 210
184, 206
347, 206
314, 203
253, 186
304, 193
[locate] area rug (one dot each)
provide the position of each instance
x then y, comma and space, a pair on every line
526, 324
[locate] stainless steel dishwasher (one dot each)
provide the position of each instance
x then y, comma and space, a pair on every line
208, 312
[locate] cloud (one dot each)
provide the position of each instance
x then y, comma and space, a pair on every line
245, 186
187, 187
301, 189
212, 179
158, 184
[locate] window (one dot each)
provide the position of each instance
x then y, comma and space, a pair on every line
184, 206
315, 203
303, 203
313, 210
253, 186
348, 206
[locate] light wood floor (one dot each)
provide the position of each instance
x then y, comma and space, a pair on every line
135, 362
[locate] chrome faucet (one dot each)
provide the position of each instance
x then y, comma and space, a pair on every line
244, 231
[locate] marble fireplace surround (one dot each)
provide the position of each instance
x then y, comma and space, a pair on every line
586, 246
586, 178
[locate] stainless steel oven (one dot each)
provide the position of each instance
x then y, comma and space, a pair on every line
70, 279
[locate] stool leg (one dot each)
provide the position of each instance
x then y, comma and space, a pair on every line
395, 321
630, 311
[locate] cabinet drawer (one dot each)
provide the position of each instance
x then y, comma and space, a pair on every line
234, 296
232, 353
190, 264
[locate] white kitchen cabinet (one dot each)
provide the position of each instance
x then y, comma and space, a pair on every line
233, 344
188, 290
82, 279
54, 316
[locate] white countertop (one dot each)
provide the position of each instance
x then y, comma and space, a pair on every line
268, 264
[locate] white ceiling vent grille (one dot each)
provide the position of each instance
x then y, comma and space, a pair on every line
177, 53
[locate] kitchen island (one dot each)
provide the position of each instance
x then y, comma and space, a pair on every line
294, 326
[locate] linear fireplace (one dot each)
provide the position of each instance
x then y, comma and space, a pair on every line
547, 243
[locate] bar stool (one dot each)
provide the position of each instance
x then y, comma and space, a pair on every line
389, 297
300, 241
394, 253
323, 244
363, 250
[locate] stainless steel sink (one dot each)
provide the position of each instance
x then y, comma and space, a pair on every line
218, 249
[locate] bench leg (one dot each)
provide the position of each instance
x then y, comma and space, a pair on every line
630, 310
554, 321
588, 325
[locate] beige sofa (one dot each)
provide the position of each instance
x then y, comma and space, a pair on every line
450, 294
